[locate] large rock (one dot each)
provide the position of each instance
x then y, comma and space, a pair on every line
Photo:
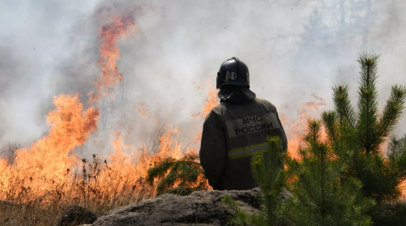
202, 208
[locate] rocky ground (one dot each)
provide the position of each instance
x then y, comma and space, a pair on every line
202, 208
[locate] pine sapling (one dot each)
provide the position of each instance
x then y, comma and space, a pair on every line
357, 136
319, 196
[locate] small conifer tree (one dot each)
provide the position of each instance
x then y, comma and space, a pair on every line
185, 175
357, 136
319, 197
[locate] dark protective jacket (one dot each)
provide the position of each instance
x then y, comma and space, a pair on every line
232, 133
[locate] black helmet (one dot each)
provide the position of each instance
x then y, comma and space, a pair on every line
233, 72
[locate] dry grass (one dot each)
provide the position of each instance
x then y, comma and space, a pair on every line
26, 208
97, 185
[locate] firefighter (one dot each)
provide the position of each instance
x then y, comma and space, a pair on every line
236, 129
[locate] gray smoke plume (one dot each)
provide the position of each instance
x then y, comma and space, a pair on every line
295, 50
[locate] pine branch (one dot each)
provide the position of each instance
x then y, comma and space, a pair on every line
322, 171
367, 101
185, 173
159, 171
342, 104
392, 111
329, 120
308, 190
167, 182
313, 134
397, 156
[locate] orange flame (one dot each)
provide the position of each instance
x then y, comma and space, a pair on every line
144, 112
49, 164
295, 130
211, 101
126, 170
44, 166
109, 53
49, 157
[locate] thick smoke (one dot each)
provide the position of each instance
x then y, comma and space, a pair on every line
296, 51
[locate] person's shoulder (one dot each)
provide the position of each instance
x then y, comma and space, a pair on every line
213, 115
266, 103
218, 109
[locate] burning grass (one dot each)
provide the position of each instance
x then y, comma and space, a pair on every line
96, 184
38, 183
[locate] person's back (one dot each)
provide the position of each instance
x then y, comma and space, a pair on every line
236, 129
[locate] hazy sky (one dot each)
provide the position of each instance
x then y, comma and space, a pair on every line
295, 50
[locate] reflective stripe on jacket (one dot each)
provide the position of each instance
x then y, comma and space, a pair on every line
232, 134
